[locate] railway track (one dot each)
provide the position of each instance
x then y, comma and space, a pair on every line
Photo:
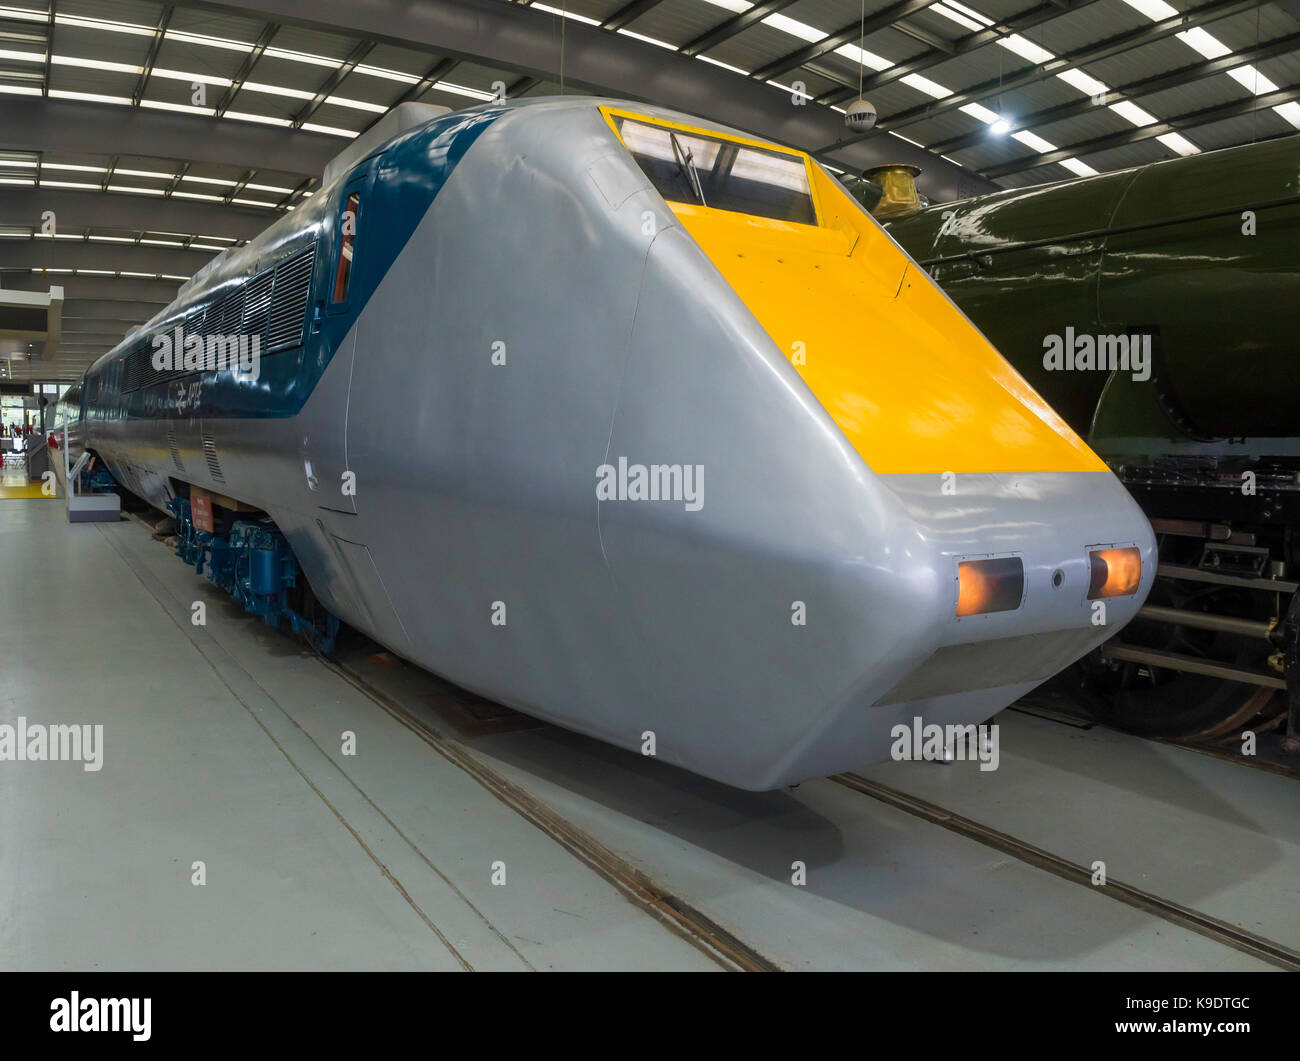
1228, 756
673, 912
729, 950
1176, 913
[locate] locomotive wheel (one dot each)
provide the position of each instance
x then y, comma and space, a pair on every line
1157, 702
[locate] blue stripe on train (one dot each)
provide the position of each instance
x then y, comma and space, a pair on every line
398, 189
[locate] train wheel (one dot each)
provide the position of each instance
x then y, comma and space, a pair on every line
1157, 702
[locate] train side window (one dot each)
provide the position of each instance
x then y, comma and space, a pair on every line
347, 244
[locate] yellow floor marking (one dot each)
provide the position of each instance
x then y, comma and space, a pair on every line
11, 491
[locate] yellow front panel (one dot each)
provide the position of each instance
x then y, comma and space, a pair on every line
912, 384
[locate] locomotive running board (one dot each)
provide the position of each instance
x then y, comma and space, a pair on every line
1196, 574
1190, 664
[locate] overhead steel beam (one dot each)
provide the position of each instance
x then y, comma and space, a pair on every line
297, 191
331, 83
76, 210
519, 38
175, 182
926, 37
1134, 90
49, 47
436, 73
129, 257
91, 346
734, 25
517, 88
1205, 116
238, 188
100, 288
106, 340
1121, 42
73, 127
92, 349
246, 67
99, 328
101, 342
78, 356
845, 35
1020, 23
629, 13
24, 78
109, 171
62, 367
108, 309
105, 326
146, 71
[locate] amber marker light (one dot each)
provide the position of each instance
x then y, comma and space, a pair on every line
1115, 572
995, 585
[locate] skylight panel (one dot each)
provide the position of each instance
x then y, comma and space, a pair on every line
1025, 48
795, 28
1178, 142
1205, 43
924, 84
859, 55
1089, 86
1034, 141
569, 14
22, 57
976, 110
1252, 80
648, 40
1131, 112
1080, 169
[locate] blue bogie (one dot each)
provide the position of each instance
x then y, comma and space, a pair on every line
255, 565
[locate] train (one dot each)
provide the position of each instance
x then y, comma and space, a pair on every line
628, 421
1186, 268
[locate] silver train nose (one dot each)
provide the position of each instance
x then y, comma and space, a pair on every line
1033, 571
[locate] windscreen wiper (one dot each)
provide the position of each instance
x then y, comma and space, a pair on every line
685, 164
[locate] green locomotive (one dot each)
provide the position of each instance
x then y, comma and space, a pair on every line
1156, 309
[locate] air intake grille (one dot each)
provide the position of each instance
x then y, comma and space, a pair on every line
272, 304
223, 318
289, 301
176, 453
134, 367
210, 455
257, 304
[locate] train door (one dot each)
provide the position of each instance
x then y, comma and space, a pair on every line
368, 601
329, 474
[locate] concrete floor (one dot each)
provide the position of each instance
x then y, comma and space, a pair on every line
223, 744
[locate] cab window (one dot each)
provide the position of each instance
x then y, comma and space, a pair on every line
347, 242
690, 167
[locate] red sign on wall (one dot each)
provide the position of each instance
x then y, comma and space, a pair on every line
201, 510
